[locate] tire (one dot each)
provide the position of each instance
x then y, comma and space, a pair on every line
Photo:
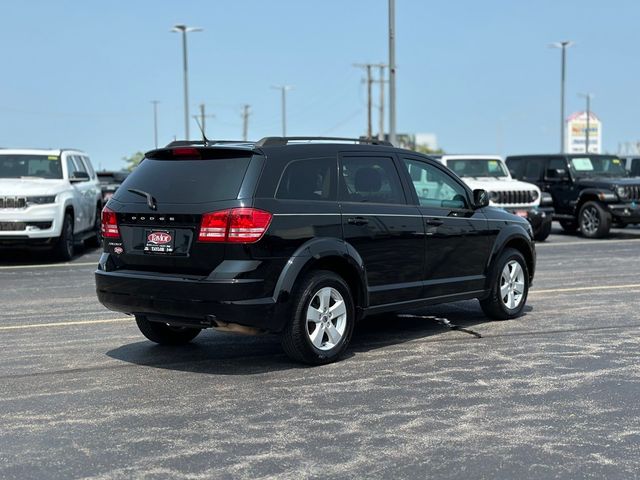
64, 247
96, 240
595, 221
320, 338
569, 226
542, 234
164, 334
504, 302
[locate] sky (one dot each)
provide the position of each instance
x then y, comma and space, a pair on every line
478, 74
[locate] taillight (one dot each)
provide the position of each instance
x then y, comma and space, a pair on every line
236, 225
109, 224
186, 152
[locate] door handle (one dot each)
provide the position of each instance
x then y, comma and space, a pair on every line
357, 221
434, 222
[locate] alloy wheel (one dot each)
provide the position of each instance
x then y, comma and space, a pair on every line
590, 220
326, 319
512, 284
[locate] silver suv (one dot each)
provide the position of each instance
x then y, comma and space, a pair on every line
48, 198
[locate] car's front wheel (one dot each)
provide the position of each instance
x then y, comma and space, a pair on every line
64, 247
166, 334
509, 287
595, 221
322, 319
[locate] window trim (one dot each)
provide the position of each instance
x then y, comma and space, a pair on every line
443, 169
394, 160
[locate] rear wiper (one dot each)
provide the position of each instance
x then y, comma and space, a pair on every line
151, 202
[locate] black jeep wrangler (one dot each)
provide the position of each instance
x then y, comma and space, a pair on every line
302, 238
590, 192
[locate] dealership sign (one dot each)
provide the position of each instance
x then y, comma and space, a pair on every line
576, 140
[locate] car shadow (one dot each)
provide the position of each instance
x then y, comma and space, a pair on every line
631, 232
10, 256
228, 354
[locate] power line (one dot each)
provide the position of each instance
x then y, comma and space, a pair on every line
367, 67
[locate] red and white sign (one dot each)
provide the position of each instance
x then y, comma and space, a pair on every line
159, 238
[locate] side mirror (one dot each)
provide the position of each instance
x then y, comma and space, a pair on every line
79, 177
556, 175
480, 198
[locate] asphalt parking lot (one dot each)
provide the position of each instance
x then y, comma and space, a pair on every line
553, 394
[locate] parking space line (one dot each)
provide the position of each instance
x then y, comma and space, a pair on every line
585, 289
49, 265
64, 324
586, 242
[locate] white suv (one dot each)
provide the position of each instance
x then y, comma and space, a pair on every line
490, 173
48, 198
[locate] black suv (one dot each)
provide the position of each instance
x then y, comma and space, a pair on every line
590, 192
302, 238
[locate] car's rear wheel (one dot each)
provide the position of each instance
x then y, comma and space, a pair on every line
595, 221
509, 287
542, 234
166, 334
64, 247
322, 319
569, 226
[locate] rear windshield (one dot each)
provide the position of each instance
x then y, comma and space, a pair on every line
185, 181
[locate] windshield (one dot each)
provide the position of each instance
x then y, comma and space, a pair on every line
478, 167
598, 165
25, 166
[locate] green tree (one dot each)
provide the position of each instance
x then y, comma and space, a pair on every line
426, 150
133, 161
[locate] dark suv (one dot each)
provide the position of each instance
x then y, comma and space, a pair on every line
590, 192
302, 238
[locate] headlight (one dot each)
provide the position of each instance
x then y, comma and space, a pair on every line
42, 200
534, 195
493, 196
546, 199
622, 192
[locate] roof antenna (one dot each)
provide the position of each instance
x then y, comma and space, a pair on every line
205, 140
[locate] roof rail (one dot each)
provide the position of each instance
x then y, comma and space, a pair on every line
281, 141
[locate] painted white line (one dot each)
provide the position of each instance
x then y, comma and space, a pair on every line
586, 242
50, 265
65, 324
586, 289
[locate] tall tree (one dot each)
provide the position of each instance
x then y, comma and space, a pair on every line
133, 160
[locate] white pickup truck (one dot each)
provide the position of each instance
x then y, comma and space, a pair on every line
489, 172
48, 198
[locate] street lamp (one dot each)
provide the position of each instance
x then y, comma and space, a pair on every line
587, 97
563, 46
283, 89
184, 30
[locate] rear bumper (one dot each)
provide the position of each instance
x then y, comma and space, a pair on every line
189, 299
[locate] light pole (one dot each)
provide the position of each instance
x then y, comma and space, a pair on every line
563, 46
587, 97
283, 89
184, 30
155, 121
392, 71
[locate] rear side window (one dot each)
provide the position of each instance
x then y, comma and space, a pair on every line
533, 169
370, 179
308, 179
186, 181
635, 167
516, 167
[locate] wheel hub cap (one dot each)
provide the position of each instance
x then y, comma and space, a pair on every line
512, 285
326, 318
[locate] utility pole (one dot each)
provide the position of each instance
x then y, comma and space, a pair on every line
245, 121
367, 67
381, 106
563, 46
283, 89
392, 71
155, 122
588, 97
185, 67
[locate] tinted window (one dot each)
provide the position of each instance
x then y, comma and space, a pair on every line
434, 187
79, 165
309, 179
557, 164
370, 179
87, 163
533, 169
186, 181
43, 166
516, 167
635, 167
